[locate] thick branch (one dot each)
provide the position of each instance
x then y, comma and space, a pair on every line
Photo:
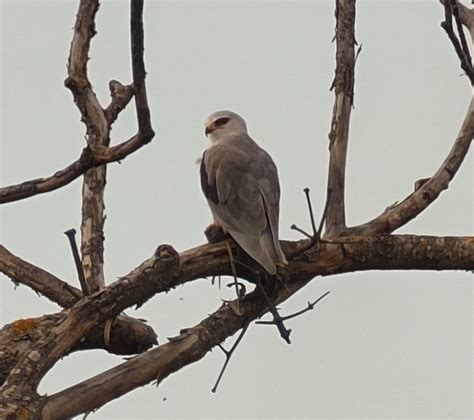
343, 86
163, 271
98, 129
39, 280
400, 214
128, 335
350, 254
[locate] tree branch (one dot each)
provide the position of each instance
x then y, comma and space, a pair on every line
400, 214
88, 159
385, 252
130, 335
98, 130
121, 96
466, 15
163, 271
39, 280
145, 130
458, 40
343, 86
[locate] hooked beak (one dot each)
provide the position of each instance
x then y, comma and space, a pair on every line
209, 129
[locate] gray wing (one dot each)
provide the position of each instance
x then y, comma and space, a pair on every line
240, 182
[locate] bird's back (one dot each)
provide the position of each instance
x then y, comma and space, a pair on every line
240, 182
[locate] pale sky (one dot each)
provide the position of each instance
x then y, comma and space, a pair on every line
383, 344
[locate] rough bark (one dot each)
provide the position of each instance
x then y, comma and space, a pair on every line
128, 335
343, 86
165, 269
30, 347
389, 252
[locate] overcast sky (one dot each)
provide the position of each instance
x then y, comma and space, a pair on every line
383, 344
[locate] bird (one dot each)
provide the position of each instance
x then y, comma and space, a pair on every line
240, 182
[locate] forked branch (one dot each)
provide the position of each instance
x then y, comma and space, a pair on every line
385, 252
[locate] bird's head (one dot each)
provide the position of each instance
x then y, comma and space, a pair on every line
222, 124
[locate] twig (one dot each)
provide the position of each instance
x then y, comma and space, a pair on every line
302, 311
316, 237
459, 46
277, 319
310, 209
461, 34
294, 227
71, 236
324, 215
228, 355
145, 130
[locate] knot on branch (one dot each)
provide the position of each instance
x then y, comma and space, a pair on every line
76, 84
167, 257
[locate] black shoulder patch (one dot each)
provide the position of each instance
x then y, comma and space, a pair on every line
208, 185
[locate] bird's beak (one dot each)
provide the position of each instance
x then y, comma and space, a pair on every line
209, 129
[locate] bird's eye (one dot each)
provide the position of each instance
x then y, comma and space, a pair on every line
221, 121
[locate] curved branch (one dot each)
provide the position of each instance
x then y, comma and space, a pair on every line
39, 280
88, 159
129, 335
384, 252
400, 214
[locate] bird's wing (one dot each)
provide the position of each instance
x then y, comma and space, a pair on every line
240, 182
231, 188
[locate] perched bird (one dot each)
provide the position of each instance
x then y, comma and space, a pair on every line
240, 182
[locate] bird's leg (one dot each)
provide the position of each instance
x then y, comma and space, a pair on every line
228, 355
236, 283
277, 319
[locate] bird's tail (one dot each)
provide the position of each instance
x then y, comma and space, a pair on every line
259, 249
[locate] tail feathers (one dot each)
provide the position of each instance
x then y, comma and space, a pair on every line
273, 248
261, 249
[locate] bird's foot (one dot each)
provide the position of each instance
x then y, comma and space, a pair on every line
215, 233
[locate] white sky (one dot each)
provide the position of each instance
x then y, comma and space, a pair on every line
383, 344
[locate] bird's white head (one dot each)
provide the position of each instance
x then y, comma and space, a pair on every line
222, 124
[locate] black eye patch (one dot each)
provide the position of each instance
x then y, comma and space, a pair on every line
221, 121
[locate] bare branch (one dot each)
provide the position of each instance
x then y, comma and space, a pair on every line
130, 335
38, 279
458, 40
98, 120
145, 131
400, 214
121, 96
88, 159
384, 252
465, 14
163, 271
71, 236
98, 130
343, 86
